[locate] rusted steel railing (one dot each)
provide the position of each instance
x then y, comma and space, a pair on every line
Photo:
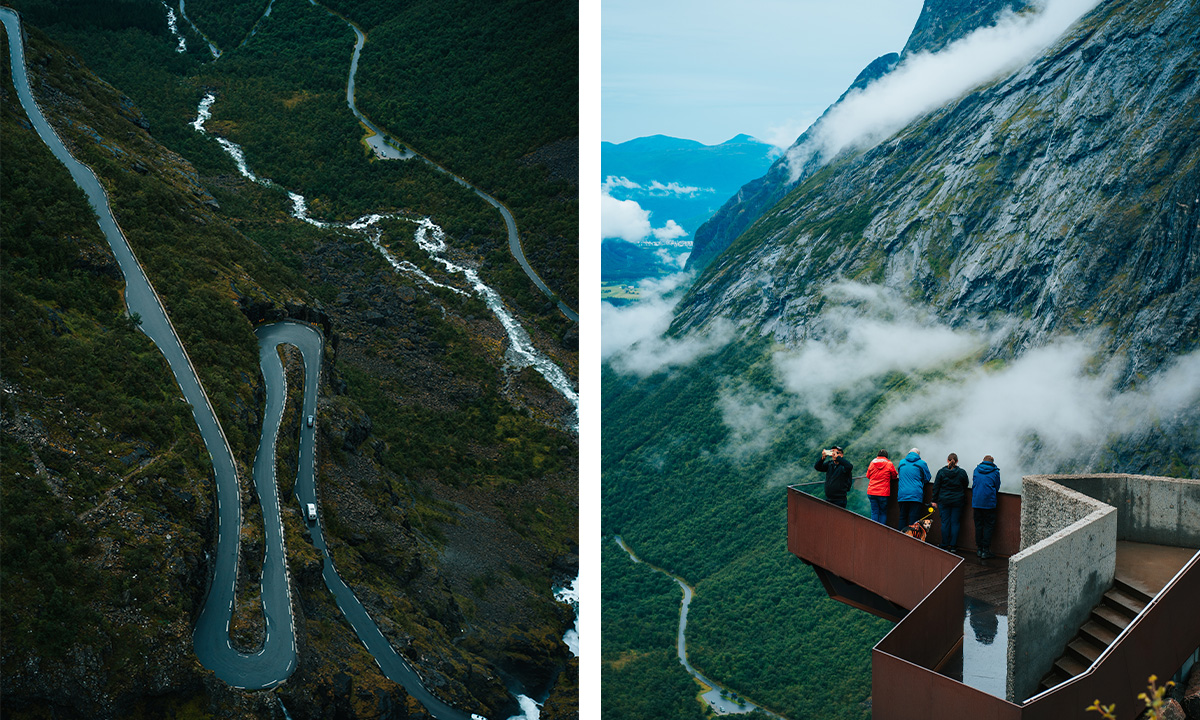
924, 581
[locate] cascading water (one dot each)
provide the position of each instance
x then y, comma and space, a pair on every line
429, 237
570, 596
174, 27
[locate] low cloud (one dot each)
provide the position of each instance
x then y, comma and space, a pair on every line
1052, 408
614, 181
1044, 411
783, 136
632, 336
670, 231
628, 220
674, 188
623, 219
925, 81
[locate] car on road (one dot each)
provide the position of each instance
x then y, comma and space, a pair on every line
311, 512
310, 420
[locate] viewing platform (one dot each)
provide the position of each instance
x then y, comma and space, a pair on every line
982, 638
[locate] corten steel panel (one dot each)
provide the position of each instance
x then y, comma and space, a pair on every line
1006, 541
932, 629
881, 559
901, 690
1156, 643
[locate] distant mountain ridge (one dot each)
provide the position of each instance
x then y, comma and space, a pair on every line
714, 171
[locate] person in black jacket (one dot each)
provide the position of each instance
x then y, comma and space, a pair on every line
949, 496
839, 475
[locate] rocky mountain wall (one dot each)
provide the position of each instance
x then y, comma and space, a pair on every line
1064, 198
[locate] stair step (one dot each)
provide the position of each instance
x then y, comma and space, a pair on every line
1053, 679
1124, 602
1132, 591
1085, 651
1099, 633
1114, 620
1069, 666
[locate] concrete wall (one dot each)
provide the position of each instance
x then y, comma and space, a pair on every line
1066, 564
1160, 510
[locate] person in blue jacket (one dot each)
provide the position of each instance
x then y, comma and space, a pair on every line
985, 486
914, 476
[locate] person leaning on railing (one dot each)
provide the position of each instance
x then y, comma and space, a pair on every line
839, 475
914, 476
985, 485
882, 476
949, 494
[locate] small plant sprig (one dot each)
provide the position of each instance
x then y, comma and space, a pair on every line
1154, 699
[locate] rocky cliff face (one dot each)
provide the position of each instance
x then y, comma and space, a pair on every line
940, 23
943, 21
1066, 195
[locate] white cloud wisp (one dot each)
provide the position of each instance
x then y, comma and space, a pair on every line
925, 81
632, 337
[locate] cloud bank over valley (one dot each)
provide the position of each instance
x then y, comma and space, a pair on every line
878, 371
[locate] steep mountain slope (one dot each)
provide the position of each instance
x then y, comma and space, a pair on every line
1065, 193
941, 22
432, 450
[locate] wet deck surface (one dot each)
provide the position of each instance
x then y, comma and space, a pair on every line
1150, 567
983, 661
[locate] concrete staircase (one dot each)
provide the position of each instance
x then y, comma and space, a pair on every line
1116, 610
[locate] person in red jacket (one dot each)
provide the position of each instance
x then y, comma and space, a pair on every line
881, 473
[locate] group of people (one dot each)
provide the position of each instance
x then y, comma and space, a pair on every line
911, 476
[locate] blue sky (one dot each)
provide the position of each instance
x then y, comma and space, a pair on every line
708, 70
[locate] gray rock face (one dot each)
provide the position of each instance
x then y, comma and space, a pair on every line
1066, 195
943, 21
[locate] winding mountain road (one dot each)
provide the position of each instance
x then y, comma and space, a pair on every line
277, 658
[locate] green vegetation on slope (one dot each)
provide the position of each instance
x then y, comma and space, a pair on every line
488, 90
641, 676
222, 251
104, 476
761, 623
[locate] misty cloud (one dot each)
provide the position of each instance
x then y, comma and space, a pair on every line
784, 135
623, 219
670, 231
614, 181
1045, 410
1050, 409
674, 188
628, 220
925, 81
631, 337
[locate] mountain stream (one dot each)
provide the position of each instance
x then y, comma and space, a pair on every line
722, 701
